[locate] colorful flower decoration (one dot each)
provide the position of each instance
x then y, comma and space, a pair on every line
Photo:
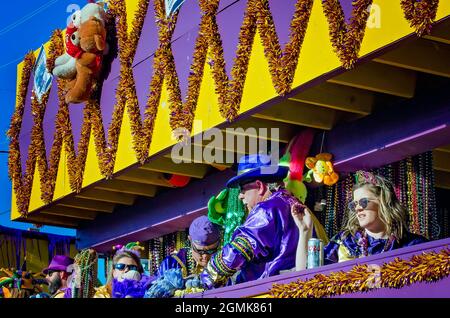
321, 168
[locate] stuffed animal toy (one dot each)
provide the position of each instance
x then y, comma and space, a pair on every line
93, 10
321, 169
92, 41
65, 65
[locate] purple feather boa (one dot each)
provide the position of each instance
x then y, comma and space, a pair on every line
131, 288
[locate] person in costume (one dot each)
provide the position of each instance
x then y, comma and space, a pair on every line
204, 237
126, 278
57, 275
377, 223
265, 243
178, 273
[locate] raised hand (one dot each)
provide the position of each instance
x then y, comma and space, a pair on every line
302, 217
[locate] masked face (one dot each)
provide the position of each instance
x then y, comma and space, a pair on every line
130, 275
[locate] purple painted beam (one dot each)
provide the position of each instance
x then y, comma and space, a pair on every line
152, 217
263, 286
401, 130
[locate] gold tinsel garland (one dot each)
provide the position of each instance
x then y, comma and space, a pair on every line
421, 14
346, 40
426, 267
14, 161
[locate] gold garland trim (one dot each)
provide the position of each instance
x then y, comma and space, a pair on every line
420, 14
14, 161
427, 267
346, 40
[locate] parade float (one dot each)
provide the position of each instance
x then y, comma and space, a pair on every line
95, 150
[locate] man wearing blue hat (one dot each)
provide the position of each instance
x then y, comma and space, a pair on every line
266, 243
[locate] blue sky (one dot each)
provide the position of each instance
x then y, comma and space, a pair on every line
22, 30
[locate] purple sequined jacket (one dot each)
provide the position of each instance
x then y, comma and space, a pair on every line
265, 244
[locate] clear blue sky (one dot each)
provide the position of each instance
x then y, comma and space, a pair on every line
21, 30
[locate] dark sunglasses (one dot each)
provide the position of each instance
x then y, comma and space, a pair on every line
122, 267
51, 272
247, 186
202, 252
363, 203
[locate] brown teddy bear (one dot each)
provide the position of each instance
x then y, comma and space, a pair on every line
92, 35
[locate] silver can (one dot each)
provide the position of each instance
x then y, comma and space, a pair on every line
315, 253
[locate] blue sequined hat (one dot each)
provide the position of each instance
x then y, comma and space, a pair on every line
257, 167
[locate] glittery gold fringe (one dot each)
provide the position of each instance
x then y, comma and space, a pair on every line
427, 267
420, 14
346, 40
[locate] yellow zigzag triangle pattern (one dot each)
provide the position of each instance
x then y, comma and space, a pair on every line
258, 87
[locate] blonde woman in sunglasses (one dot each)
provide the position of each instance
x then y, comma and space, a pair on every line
377, 223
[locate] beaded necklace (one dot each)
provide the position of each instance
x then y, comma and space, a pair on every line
190, 263
363, 244
86, 261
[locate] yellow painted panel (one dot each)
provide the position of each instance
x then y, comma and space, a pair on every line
19, 77
385, 25
207, 112
62, 186
91, 170
132, 6
316, 56
443, 9
258, 86
162, 134
14, 211
35, 198
126, 156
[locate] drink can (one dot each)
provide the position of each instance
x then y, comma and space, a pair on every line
315, 253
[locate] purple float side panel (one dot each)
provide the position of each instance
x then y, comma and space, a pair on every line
189, 16
282, 13
397, 150
437, 289
27, 125
76, 120
108, 101
151, 217
51, 110
148, 42
183, 50
347, 8
143, 73
263, 286
405, 129
229, 24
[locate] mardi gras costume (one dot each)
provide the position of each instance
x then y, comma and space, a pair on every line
131, 284
20, 284
180, 260
178, 272
61, 263
261, 247
344, 247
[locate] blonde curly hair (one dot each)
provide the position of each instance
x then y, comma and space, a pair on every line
391, 212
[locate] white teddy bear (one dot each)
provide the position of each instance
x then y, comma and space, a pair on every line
65, 65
